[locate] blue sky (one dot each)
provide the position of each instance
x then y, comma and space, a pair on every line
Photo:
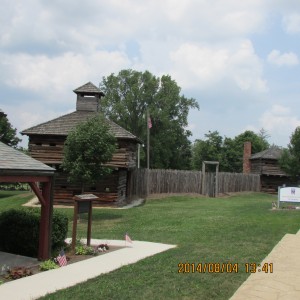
238, 59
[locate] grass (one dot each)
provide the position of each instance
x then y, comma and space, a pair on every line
13, 199
238, 229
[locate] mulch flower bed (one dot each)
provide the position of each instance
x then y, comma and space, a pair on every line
9, 274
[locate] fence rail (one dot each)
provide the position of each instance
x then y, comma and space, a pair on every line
177, 181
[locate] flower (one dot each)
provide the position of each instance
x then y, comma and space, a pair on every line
102, 247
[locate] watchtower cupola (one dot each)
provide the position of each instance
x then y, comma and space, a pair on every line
88, 97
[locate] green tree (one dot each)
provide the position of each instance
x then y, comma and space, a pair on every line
228, 151
87, 148
209, 149
233, 149
130, 93
8, 133
290, 158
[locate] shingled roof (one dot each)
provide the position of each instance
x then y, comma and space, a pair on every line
88, 88
64, 124
13, 162
271, 153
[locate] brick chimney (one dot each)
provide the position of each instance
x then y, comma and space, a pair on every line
246, 158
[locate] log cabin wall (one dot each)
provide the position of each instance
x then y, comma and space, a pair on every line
270, 173
107, 189
122, 184
266, 166
270, 183
49, 150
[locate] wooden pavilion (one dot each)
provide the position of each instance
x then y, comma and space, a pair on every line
46, 142
16, 166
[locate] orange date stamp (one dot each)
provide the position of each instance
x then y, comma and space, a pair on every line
213, 267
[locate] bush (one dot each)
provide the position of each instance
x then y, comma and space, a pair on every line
84, 250
48, 265
19, 231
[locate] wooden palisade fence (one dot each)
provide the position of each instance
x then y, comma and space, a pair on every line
177, 181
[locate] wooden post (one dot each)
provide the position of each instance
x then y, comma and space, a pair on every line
83, 204
217, 181
46, 222
74, 233
203, 176
89, 229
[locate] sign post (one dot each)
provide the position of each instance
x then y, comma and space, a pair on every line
82, 204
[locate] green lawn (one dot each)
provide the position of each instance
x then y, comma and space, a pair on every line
237, 230
13, 199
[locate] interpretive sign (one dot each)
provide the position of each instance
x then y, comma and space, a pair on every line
288, 194
82, 204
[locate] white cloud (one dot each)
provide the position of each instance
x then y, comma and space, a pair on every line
55, 75
280, 121
284, 59
198, 65
291, 23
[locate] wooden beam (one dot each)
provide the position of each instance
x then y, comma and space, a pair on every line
25, 178
37, 192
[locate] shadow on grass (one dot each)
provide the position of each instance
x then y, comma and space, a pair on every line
101, 217
5, 194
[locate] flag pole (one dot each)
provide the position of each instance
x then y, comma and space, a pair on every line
148, 153
148, 140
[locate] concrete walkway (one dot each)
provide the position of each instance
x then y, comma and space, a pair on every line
38, 285
14, 260
284, 282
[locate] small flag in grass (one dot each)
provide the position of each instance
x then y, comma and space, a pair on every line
127, 238
62, 259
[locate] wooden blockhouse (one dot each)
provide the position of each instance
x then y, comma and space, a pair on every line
266, 164
46, 143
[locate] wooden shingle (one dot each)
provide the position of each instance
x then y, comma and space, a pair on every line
66, 123
271, 153
88, 88
14, 161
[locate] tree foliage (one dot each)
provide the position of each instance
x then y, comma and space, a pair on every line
207, 150
290, 158
130, 93
8, 133
87, 148
228, 151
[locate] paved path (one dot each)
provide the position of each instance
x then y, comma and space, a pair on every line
38, 285
284, 282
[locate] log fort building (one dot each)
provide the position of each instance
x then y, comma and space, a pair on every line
46, 142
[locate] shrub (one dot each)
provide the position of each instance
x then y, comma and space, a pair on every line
19, 231
59, 230
84, 250
48, 265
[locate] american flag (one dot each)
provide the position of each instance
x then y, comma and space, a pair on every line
127, 238
62, 259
